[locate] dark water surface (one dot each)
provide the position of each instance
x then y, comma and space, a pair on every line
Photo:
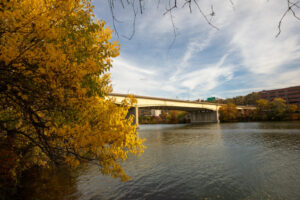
210, 161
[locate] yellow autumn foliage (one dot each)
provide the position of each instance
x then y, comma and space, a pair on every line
228, 113
54, 63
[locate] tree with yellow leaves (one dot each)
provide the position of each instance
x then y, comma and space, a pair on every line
262, 110
54, 63
228, 113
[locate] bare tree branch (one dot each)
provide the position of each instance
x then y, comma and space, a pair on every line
202, 13
232, 4
171, 8
172, 5
137, 6
290, 8
111, 7
133, 23
174, 28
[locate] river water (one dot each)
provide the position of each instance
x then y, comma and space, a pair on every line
209, 161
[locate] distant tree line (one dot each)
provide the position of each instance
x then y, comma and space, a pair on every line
171, 117
276, 110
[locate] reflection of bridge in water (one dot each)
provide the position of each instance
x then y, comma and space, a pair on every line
200, 112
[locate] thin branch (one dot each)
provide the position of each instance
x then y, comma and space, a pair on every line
122, 4
141, 8
111, 7
290, 7
232, 4
174, 30
170, 8
202, 13
295, 15
158, 4
187, 2
133, 23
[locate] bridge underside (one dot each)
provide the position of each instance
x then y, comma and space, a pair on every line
187, 109
204, 116
197, 115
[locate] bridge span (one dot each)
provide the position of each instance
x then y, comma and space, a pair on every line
200, 112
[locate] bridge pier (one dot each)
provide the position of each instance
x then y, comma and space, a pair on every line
135, 112
204, 116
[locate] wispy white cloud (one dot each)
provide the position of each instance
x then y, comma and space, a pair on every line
194, 47
241, 57
127, 77
200, 82
254, 37
207, 78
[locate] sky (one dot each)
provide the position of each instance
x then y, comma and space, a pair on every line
242, 56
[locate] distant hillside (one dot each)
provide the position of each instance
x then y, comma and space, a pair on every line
249, 99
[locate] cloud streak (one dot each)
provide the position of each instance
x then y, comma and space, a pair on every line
241, 57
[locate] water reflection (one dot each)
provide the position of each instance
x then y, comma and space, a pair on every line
187, 134
209, 161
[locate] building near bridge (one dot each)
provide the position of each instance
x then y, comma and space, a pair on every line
290, 94
155, 112
149, 112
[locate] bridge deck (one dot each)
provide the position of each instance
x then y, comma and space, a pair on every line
159, 103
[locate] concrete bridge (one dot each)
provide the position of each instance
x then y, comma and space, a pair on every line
200, 112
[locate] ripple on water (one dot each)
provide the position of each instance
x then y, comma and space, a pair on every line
210, 161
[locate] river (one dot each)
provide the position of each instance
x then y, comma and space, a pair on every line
209, 161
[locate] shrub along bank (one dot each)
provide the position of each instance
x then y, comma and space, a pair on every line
276, 110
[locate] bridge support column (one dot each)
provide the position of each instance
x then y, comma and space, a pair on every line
218, 116
135, 112
204, 116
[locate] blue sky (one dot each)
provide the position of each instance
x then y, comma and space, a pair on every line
241, 57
